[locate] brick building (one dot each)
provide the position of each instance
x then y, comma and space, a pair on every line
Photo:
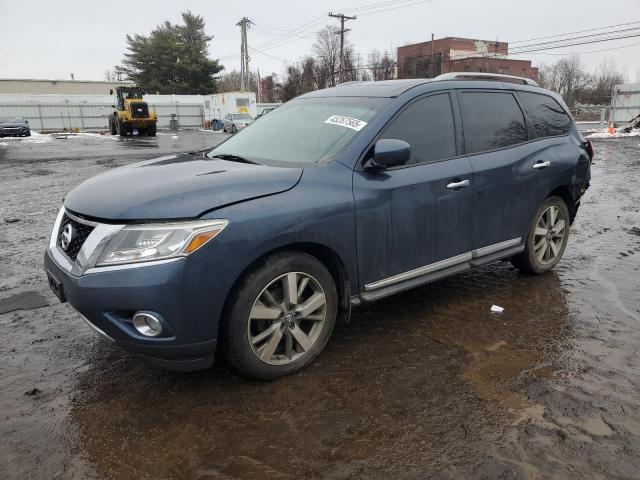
452, 54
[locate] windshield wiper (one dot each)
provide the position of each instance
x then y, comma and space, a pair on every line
234, 158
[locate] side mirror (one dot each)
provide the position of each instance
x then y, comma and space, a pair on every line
389, 153
111, 92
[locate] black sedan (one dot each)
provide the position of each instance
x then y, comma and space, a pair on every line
14, 127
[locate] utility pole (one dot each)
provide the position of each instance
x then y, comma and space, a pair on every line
432, 57
244, 23
342, 31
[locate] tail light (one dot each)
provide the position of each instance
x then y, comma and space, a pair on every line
588, 146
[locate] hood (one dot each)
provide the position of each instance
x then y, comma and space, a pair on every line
12, 125
176, 186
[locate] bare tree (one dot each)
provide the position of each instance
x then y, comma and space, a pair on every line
308, 80
114, 75
569, 78
230, 82
292, 87
352, 65
381, 65
605, 78
327, 50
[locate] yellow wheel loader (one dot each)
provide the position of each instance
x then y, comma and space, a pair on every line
132, 113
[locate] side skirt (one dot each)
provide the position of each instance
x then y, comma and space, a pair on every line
437, 271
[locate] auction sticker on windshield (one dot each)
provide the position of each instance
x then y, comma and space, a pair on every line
349, 122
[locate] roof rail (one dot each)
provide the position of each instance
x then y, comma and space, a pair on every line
497, 77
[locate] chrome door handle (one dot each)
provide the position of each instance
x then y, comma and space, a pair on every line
456, 185
540, 165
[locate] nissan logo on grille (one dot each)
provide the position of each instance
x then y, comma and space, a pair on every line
66, 236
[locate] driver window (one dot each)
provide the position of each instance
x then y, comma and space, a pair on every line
427, 125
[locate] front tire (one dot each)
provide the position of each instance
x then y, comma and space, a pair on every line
112, 126
280, 317
121, 128
547, 238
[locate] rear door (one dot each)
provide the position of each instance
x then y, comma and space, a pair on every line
551, 126
417, 214
498, 147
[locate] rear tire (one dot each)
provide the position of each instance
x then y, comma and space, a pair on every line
233, 129
268, 331
151, 131
547, 238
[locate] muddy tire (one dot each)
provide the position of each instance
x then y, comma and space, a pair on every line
280, 317
547, 238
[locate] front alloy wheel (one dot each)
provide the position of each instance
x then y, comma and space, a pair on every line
287, 318
280, 316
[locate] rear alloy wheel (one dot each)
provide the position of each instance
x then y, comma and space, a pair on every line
547, 238
282, 317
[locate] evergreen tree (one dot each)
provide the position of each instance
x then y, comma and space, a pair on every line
172, 59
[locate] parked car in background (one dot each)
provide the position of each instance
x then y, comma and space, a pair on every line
14, 127
338, 198
234, 122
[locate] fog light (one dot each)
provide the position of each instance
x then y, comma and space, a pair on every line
147, 324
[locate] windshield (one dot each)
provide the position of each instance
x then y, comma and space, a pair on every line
306, 131
242, 116
11, 120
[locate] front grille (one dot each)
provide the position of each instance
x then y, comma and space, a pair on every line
139, 110
80, 233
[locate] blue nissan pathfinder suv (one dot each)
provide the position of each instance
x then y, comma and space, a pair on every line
338, 198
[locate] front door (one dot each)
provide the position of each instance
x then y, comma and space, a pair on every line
417, 218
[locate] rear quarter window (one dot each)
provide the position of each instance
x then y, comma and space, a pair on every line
548, 117
492, 120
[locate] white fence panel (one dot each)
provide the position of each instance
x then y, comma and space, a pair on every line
625, 103
51, 117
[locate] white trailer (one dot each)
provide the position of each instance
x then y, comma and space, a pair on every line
221, 104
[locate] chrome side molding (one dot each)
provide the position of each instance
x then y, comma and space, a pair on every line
442, 264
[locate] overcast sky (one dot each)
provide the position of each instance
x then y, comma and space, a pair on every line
48, 39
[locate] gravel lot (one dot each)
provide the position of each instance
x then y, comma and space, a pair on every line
426, 384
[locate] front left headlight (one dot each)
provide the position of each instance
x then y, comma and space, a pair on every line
146, 242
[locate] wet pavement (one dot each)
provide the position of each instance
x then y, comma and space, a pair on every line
425, 384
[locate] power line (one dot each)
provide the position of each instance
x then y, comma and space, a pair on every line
572, 33
580, 53
396, 8
594, 36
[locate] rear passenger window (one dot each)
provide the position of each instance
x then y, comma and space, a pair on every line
548, 117
426, 125
492, 120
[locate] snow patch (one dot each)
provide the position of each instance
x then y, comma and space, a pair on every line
605, 134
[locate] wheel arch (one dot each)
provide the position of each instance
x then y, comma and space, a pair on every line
325, 255
564, 192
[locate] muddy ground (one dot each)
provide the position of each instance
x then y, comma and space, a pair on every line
426, 384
